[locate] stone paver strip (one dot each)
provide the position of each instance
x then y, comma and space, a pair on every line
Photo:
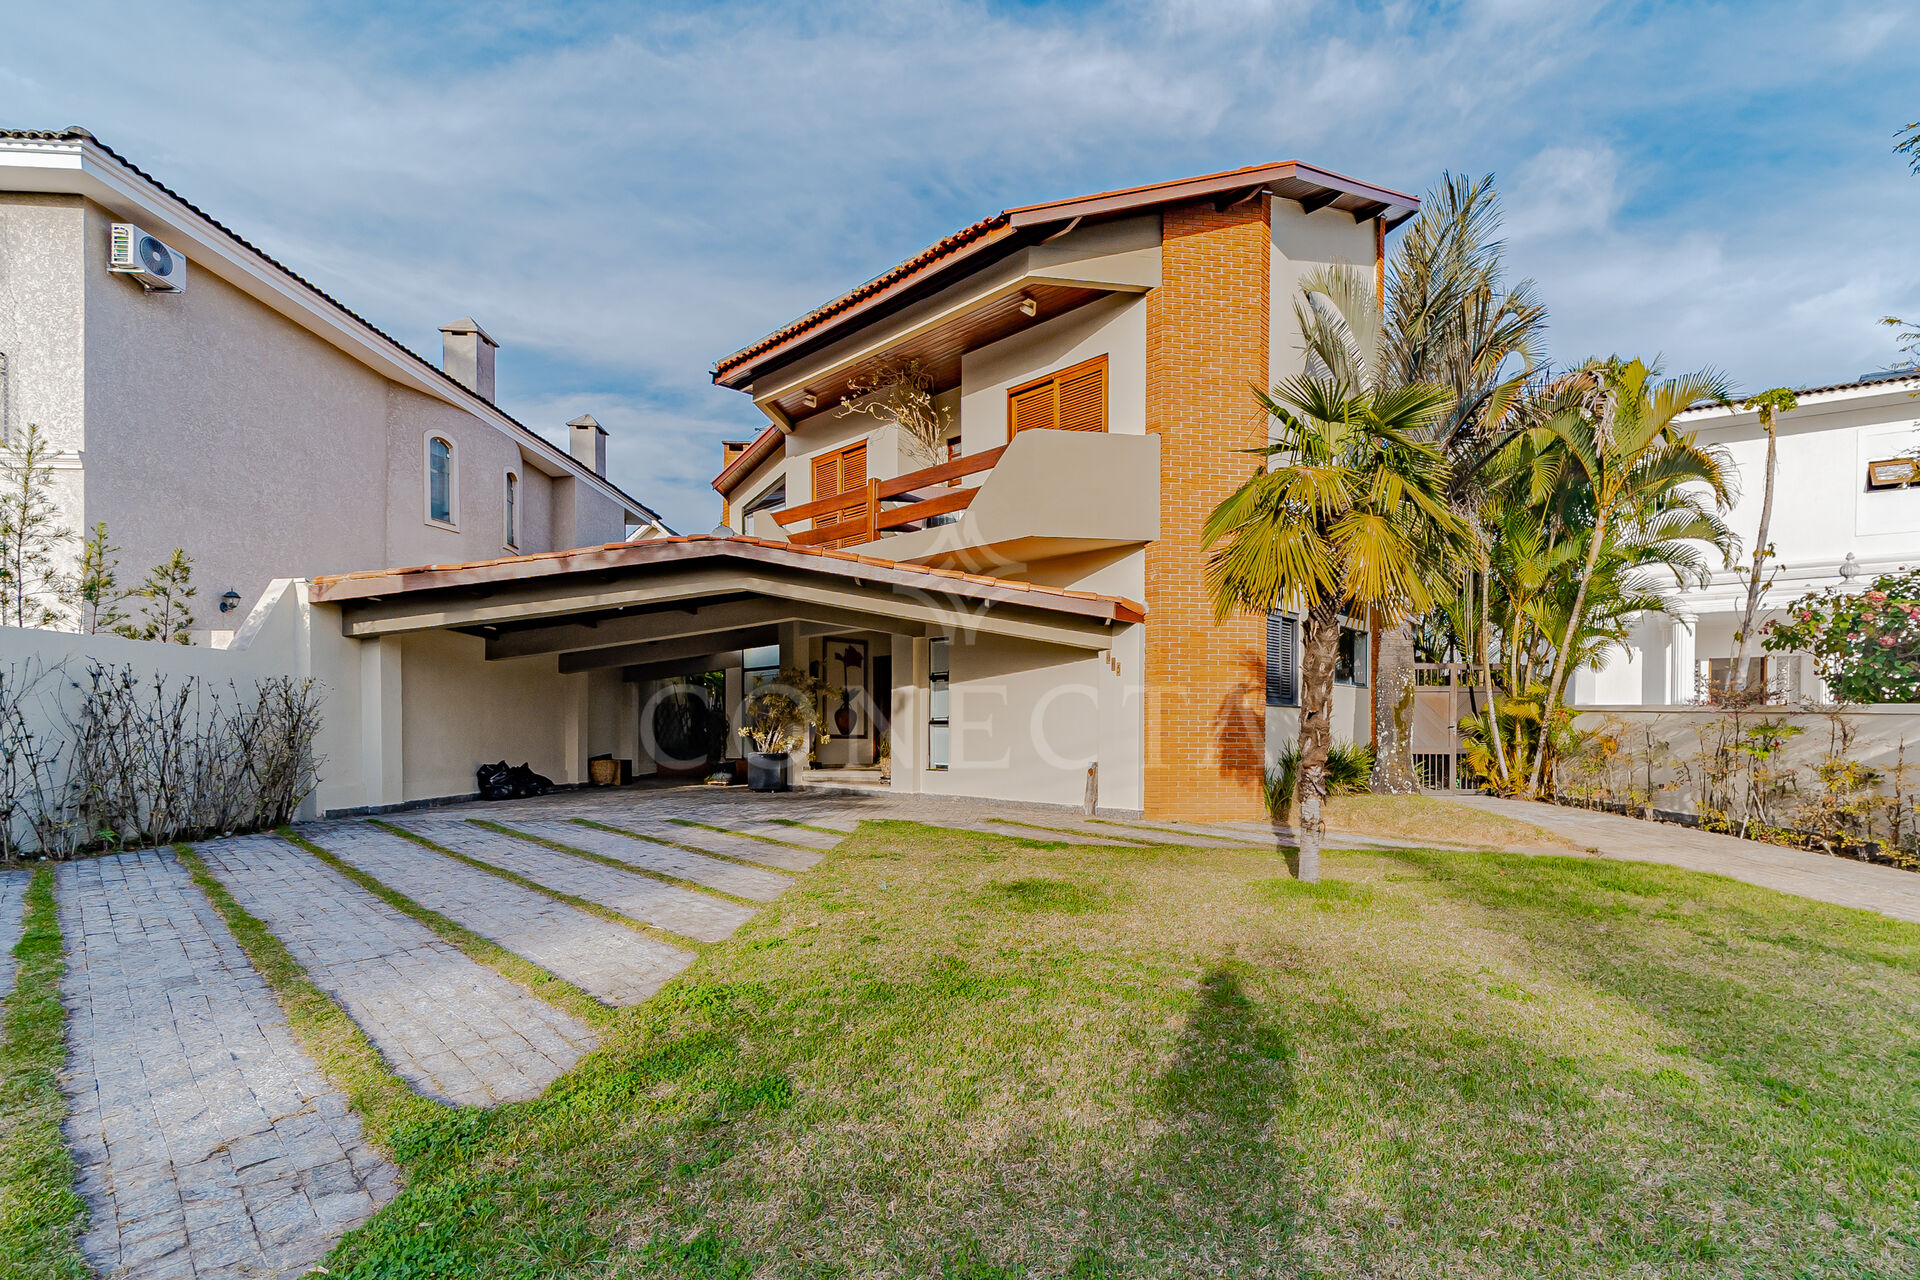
608, 961
1841, 881
728, 877
732, 846
689, 913
13, 912
778, 831
207, 1143
451, 1028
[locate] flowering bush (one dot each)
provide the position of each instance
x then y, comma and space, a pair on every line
1866, 646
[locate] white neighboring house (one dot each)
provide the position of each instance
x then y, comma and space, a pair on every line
1835, 522
247, 416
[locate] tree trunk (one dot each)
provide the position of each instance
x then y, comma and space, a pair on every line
1320, 643
1392, 681
1737, 677
1485, 654
1561, 665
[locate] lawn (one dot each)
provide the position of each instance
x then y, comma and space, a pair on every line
968, 1057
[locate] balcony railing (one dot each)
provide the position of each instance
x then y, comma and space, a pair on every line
871, 517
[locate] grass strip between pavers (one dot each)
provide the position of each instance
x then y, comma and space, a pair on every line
385, 1102
672, 844
1120, 842
744, 835
664, 877
592, 908
1173, 831
808, 826
552, 988
41, 1215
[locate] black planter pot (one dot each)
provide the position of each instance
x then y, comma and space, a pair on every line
767, 771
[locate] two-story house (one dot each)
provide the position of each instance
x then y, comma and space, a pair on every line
1846, 509
235, 410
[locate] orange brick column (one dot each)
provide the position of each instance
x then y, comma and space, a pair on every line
1206, 350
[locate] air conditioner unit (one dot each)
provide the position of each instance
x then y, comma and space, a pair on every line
154, 265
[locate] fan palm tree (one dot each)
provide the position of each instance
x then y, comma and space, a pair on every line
1347, 519
1616, 435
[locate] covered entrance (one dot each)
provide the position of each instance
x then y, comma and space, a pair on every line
956, 683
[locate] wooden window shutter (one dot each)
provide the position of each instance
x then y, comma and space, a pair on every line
844, 471
1083, 397
1073, 399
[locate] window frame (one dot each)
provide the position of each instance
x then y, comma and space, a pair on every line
940, 676
1058, 376
512, 512
1358, 673
1283, 638
452, 519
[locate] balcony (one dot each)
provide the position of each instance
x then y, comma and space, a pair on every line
1045, 494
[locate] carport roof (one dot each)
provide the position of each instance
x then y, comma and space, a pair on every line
692, 550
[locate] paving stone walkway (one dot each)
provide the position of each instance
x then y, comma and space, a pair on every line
716, 873
13, 910
453, 1029
608, 961
687, 912
208, 1144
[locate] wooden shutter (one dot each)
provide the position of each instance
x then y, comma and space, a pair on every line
843, 472
1283, 660
1083, 397
1073, 399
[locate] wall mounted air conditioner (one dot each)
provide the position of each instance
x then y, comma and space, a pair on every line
154, 265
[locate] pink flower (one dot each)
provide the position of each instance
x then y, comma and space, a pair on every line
1886, 642
1854, 636
1878, 597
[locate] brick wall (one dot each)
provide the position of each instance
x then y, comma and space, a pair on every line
1206, 349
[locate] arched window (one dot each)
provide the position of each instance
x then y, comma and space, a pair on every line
440, 480
513, 498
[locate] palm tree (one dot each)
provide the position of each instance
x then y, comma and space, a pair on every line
1769, 404
1617, 435
1348, 519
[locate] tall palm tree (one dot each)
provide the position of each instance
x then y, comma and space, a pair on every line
1617, 435
1769, 405
1346, 520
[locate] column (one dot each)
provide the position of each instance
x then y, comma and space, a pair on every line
381, 705
1680, 662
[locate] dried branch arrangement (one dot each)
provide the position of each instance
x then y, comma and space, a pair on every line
114, 759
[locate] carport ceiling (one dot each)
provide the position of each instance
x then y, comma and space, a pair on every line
633, 597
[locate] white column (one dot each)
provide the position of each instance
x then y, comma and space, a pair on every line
908, 732
381, 705
1680, 662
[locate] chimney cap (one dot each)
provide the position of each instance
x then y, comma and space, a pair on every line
587, 420
467, 324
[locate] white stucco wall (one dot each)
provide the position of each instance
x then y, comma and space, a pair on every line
1114, 326
1302, 244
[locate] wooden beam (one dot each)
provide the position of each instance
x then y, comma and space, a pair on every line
627, 655
652, 628
1319, 200
1368, 212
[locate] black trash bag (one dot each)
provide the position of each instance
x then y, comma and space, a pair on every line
501, 782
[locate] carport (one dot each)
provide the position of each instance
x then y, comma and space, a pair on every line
556, 658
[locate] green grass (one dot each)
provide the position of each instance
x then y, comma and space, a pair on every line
40, 1214
956, 1055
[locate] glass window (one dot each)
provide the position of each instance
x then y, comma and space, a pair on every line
513, 494
761, 666
1350, 661
937, 655
439, 480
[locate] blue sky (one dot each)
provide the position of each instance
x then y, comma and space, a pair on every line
622, 194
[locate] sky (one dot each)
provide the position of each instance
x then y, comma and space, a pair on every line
624, 193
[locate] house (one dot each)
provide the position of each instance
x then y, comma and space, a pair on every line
239, 412
1846, 509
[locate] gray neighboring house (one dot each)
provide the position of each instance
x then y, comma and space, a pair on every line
248, 416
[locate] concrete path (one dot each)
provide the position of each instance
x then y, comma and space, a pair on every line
611, 962
451, 1028
690, 914
13, 911
207, 1143
1841, 881
716, 873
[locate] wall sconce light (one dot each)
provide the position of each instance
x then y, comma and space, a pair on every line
809, 399
229, 601
1029, 307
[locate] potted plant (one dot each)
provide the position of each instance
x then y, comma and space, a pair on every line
774, 719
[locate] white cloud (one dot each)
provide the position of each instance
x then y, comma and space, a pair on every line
623, 195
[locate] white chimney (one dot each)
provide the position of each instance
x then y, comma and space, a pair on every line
467, 356
587, 442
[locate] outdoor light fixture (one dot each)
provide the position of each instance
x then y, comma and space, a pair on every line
809, 399
1029, 307
229, 601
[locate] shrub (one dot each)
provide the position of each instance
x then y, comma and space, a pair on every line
1865, 645
1349, 772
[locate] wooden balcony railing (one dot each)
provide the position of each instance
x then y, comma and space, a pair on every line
871, 518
